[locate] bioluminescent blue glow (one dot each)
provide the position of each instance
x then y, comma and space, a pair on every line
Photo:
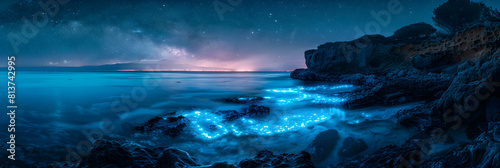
300, 94
207, 125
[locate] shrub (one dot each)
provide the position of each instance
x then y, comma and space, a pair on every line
456, 14
414, 31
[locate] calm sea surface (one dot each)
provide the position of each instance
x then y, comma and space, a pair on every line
58, 109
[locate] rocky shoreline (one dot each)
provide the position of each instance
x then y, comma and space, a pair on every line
124, 153
459, 84
458, 78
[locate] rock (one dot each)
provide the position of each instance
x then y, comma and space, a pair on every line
250, 163
106, 153
419, 117
122, 153
213, 127
496, 133
482, 152
265, 154
171, 126
251, 111
493, 109
431, 61
230, 115
324, 144
244, 100
220, 165
361, 55
268, 159
303, 160
255, 110
113, 153
402, 72
388, 156
397, 91
457, 76
352, 147
175, 158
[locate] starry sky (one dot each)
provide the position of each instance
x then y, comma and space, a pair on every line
239, 35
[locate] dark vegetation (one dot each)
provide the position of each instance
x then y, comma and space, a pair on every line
457, 14
414, 31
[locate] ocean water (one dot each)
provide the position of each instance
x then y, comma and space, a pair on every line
61, 112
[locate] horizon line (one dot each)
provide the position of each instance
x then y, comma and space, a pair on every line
143, 70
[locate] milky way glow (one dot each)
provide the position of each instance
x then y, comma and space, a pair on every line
206, 124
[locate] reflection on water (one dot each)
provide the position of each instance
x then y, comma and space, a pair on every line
54, 108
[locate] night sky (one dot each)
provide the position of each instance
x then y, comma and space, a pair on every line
192, 34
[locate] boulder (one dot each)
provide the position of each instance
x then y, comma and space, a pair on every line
352, 147
229, 115
496, 132
251, 111
482, 152
171, 126
389, 156
175, 158
113, 153
268, 159
220, 165
324, 144
255, 110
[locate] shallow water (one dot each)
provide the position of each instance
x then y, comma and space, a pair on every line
58, 109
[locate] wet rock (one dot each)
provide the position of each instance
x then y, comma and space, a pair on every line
250, 163
113, 153
220, 165
171, 126
303, 160
268, 159
255, 110
175, 158
213, 127
421, 118
244, 100
496, 133
482, 152
251, 111
389, 156
107, 153
230, 115
352, 147
324, 144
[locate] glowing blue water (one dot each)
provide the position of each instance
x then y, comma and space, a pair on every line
56, 108
208, 125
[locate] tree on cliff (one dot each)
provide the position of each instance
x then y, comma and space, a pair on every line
456, 14
414, 31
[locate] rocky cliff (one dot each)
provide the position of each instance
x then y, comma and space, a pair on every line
457, 76
375, 54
